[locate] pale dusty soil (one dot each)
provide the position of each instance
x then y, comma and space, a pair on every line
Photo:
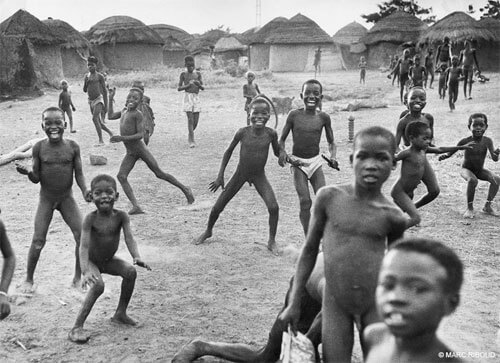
231, 288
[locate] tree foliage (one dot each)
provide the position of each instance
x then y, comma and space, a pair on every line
490, 10
388, 7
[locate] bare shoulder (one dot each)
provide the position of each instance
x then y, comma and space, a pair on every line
271, 132
122, 215
334, 191
324, 116
294, 114
73, 144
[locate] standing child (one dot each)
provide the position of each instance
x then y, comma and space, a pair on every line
190, 82
468, 59
414, 165
402, 67
255, 141
55, 161
147, 112
418, 285
9, 263
442, 82
429, 66
394, 70
131, 134
454, 75
473, 164
417, 73
94, 85
306, 125
100, 240
66, 104
250, 90
317, 62
362, 66
443, 53
354, 223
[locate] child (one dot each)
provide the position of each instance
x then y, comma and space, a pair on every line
306, 125
94, 85
469, 59
429, 67
454, 75
417, 73
317, 62
255, 141
443, 54
100, 240
250, 90
414, 165
402, 67
66, 104
473, 164
131, 134
9, 263
190, 82
362, 67
442, 82
418, 284
353, 223
147, 112
394, 70
55, 161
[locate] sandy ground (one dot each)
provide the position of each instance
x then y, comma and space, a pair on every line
231, 288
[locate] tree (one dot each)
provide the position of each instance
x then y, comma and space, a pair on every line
408, 6
490, 10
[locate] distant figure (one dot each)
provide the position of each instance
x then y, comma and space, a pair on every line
468, 59
429, 66
395, 73
403, 67
442, 81
250, 90
417, 73
66, 104
454, 75
362, 66
443, 53
317, 61
9, 263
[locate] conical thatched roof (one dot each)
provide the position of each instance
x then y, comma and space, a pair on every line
173, 44
122, 29
166, 31
261, 35
457, 26
298, 30
73, 38
399, 27
229, 43
349, 34
206, 41
23, 24
491, 24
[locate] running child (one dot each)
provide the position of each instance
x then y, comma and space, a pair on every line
100, 240
307, 125
442, 82
429, 66
418, 285
468, 59
454, 75
55, 162
94, 84
190, 82
147, 112
9, 263
250, 90
353, 223
255, 141
66, 104
362, 66
402, 67
417, 73
413, 167
473, 164
131, 134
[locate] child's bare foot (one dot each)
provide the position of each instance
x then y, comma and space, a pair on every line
192, 144
73, 131
189, 195
136, 210
28, 287
77, 282
206, 235
488, 210
273, 247
469, 213
78, 335
187, 354
122, 318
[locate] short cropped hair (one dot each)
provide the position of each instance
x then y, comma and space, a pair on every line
443, 254
188, 58
138, 84
249, 73
375, 131
313, 81
104, 177
415, 129
138, 90
52, 109
92, 59
64, 82
478, 115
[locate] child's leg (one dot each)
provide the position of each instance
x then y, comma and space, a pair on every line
196, 118
71, 215
265, 190
368, 318
337, 332
302, 187
126, 166
471, 180
494, 181
406, 204
430, 181
96, 118
431, 72
152, 164
77, 334
190, 118
146, 137
70, 117
232, 187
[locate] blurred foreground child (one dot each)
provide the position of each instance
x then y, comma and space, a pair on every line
9, 263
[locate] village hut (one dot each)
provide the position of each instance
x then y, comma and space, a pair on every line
175, 43
386, 37
459, 26
489, 51
202, 48
349, 41
74, 50
125, 43
258, 49
231, 48
30, 55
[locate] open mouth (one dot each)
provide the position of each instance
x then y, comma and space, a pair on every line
370, 179
395, 319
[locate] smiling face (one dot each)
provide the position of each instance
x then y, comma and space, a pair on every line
259, 114
134, 97
478, 127
53, 124
417, 99
410, 294
104, 195
311, 95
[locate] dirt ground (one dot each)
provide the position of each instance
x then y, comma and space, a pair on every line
230, 288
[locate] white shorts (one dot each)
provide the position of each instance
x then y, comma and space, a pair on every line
310, 165
191, 102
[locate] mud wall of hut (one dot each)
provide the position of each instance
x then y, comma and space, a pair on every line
74, 62
174, 58
378, 54
128, 56
351, 60
300, 57
259, 57
47, 64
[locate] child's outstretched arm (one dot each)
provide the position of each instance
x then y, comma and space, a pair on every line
493, 152
450, 153
79, 177
7, 271
219, 181
402, 154
111, 114
34, 173
130, 242
448, 149
85, 83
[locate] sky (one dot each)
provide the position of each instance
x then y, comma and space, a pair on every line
198, 16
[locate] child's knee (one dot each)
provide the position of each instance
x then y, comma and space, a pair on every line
38, 243
473, 182
98, 286
305, 203
130, 273
273, 209
122, 178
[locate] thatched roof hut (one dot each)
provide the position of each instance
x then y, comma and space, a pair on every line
124, 42
488, 53
175, 43
349, 34
298, 30
166, 31
30, 55
231, 48
493, 25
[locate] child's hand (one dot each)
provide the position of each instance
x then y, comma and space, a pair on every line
219, 182
111, 92
22, 169
389, 76
116, 138
73, 108
4, 306
443, 157
290, 316
469, 145
294, 162
141, 263
332, 163
87, 195
497, 151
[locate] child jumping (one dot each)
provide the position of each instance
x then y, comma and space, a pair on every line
473, 164
250, 90
255, 141
100, 240
9, 263
190, 82
131, 134
362, 69
66, 104
147, 112
354, 223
